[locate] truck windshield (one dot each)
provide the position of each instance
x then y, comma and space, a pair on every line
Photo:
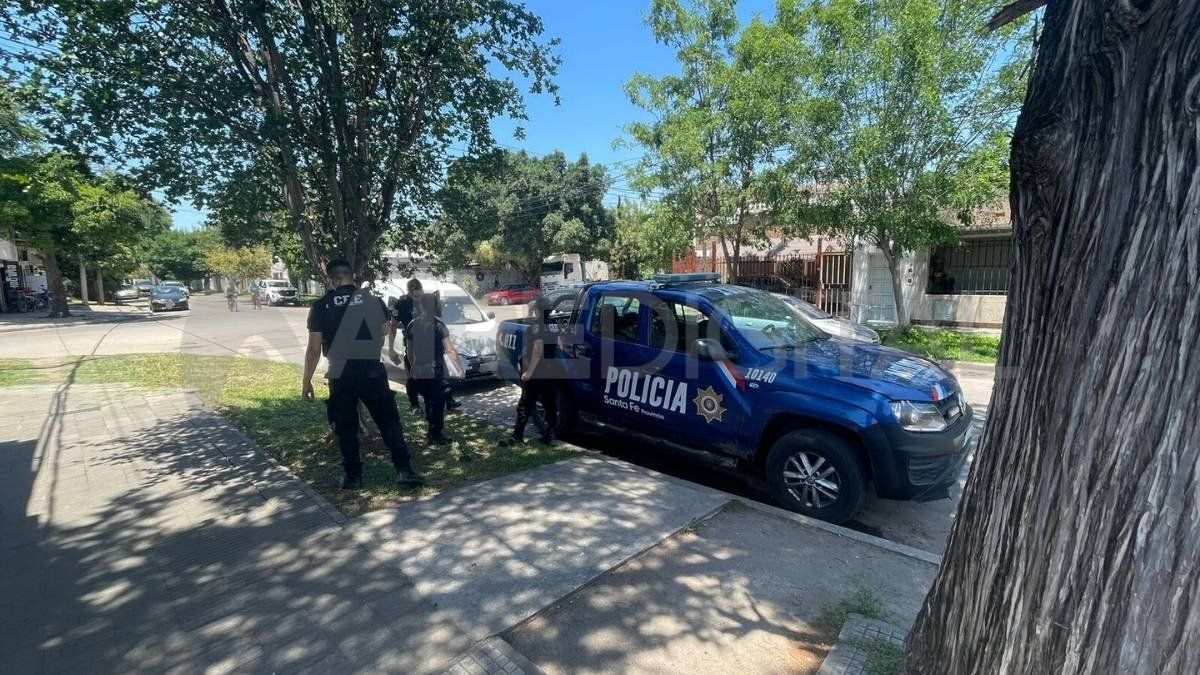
460, 310
766, 321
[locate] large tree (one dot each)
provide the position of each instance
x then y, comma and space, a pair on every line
714, 146
648, 238
511, 207
347, 106
1076, 544
907, 132
180, 255
239, 264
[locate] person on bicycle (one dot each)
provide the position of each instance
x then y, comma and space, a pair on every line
231, 294
255, 299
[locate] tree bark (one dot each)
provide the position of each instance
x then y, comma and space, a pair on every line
99, 286
1076, 548
58, 290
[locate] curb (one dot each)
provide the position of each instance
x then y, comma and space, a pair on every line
855, 535
967, 366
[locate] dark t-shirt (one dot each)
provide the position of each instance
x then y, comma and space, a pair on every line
350, 322
549, 338
402, 313
427, 351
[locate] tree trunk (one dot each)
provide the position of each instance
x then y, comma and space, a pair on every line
1076, 548
897, 276
99, 286
83, 281
58, 290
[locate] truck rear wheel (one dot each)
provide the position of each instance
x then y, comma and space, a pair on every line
816, 473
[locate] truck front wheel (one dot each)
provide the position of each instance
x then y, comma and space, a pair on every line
816, 473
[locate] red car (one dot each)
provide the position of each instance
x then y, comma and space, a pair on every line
512, 294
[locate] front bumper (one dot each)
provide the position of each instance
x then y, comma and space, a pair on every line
480, 366
160, 304
921, 466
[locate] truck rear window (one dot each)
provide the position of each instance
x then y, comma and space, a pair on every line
615, 317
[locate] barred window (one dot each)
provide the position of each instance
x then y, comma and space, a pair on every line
970, 267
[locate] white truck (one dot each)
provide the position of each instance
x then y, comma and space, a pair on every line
564, 271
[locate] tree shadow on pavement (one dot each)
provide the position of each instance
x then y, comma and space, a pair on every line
142, 533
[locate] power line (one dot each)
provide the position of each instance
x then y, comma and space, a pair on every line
28, 45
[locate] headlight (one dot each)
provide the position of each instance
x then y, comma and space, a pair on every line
917, 416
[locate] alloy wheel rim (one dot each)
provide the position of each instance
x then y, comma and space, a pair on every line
812, 479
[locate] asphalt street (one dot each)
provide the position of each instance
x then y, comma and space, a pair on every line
279, 333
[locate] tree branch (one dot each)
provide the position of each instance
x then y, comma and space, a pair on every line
1012, 12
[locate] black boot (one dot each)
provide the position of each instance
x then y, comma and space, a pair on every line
352, 483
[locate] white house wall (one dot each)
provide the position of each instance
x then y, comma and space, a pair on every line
873, 305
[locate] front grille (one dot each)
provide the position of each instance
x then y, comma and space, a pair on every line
951, 407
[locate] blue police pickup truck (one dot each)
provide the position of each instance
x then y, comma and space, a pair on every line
736, 376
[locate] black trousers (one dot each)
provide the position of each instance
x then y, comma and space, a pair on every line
411, 388
434, 391
371, 388
532, 391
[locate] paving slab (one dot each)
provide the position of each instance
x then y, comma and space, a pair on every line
494, 553
746, 591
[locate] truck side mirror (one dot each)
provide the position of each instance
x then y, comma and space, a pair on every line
707, 349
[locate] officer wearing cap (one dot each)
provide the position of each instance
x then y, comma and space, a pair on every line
347, 325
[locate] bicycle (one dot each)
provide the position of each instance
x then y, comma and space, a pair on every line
232, 301
256, 300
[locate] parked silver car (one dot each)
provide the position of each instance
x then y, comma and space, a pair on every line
829, 323
126, 294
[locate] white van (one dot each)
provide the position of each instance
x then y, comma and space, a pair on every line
472, 330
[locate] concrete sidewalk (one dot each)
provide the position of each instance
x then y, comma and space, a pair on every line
139, 532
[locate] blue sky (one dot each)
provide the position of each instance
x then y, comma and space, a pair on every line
603, 45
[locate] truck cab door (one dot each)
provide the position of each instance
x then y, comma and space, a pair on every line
606, 350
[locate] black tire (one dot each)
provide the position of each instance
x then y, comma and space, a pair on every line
792, 486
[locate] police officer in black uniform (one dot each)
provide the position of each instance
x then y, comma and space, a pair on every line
348, 325
539, 377
430, 346
402, 315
